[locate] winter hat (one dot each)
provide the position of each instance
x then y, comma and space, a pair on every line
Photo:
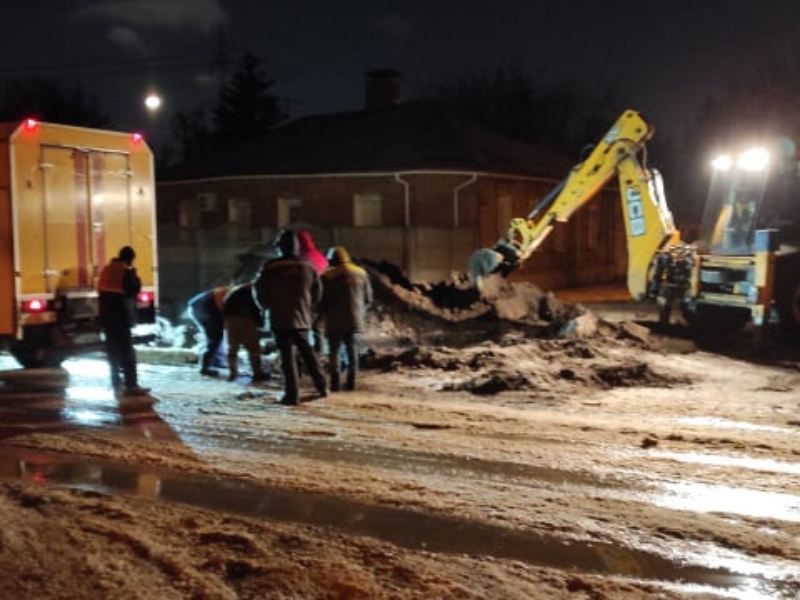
126, 254
337, 255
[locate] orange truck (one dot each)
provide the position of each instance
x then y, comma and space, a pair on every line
70, 198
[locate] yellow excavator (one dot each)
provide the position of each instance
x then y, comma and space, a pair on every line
745, 264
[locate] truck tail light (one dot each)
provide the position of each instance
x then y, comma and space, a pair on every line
144, 298
31, 124
36, 305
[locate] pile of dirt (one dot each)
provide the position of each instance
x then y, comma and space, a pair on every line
501, 336
458, 302
522, 364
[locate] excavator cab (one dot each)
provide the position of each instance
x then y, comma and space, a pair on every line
748, 246
757, 190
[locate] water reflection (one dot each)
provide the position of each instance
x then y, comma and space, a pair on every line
708, 498
766, 465
720, 423
60, 400
406, 528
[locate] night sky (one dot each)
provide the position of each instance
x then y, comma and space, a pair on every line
665, 56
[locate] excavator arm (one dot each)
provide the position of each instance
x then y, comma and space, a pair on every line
648, 221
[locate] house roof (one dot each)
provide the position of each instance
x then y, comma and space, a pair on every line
410, 136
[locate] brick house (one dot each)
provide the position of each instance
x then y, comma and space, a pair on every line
407, 183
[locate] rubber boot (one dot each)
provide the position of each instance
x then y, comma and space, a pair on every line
255, 365
350, 381
233, 367
333, 377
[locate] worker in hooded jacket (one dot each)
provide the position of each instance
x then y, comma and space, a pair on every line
346, 294
290, 289
307, 250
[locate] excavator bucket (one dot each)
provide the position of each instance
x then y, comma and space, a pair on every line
483, 262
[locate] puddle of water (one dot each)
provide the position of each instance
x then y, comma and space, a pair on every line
729, 424
91, 407
766, 465
28, 407
336, 450
406, 528
38, 379
709, 498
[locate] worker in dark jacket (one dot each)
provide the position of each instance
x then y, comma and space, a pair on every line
205, 310
290, 289
346, 294
117, 288
307, 250
243, 320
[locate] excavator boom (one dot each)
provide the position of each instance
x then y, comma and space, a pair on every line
744, 267
648, 221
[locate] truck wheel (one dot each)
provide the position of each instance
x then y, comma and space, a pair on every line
718, 321
34, 358
36, 349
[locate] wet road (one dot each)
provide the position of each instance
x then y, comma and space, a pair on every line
76, 399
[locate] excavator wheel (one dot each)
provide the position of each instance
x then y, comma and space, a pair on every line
789, 309
716, 321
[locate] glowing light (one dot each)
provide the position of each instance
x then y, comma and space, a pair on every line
152, 102
137, 138
723, 162
34, 306
753, 159
31, 124
144, 297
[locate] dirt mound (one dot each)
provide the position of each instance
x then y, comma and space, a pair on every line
522, 364
500, 337
458, 301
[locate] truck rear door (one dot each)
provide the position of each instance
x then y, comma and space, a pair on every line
86, 214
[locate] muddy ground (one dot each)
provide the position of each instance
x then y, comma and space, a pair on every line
518, 447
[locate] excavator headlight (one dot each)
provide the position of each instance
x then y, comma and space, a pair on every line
753, 159
723, 162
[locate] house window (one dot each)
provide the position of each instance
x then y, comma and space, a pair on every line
240, 212
288, 211
207, 201
367, 210
189, 214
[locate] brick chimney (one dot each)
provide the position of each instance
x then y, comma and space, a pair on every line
381, 89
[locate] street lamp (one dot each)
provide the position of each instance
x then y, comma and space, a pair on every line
152, 102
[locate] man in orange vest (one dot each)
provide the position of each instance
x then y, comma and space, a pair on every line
118, 286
